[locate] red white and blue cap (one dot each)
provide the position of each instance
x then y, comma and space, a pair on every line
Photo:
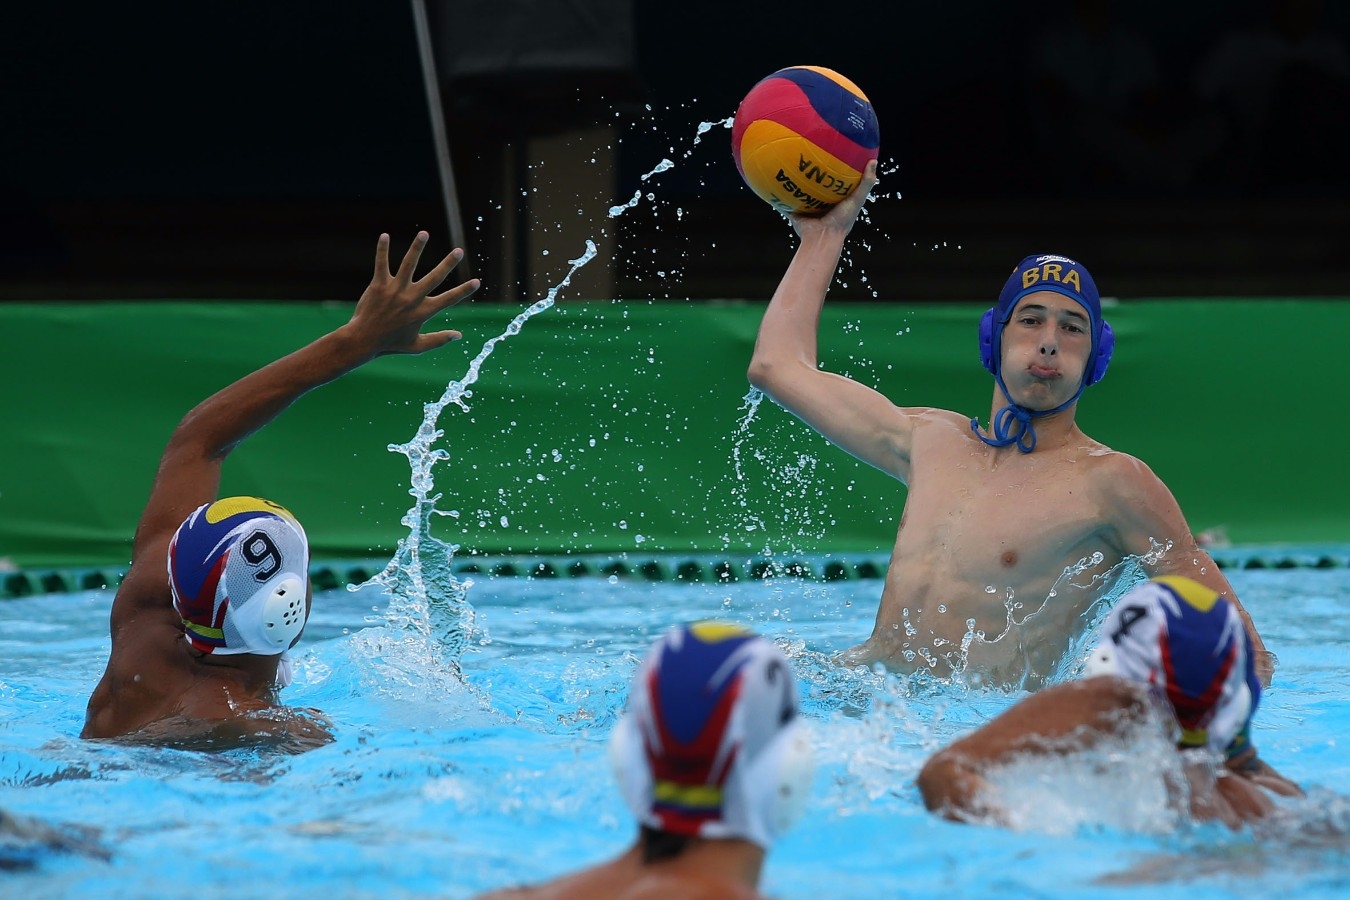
711, 744
238, 568
1189, 644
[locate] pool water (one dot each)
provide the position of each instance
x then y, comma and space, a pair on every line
448, 784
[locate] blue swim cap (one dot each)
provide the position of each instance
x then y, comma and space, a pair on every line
1048, 273
1040, 272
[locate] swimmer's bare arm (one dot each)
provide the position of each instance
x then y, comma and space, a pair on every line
388, 318
1056, 720
1144, 511
246, 722
852, 416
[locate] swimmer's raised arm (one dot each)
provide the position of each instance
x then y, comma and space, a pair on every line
388, 318
201, 632
785, 366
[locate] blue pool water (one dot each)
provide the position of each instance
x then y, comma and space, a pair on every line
444, 784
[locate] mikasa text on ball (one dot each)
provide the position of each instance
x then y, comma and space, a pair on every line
802, 137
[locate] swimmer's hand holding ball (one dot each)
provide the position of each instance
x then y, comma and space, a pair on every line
802, 137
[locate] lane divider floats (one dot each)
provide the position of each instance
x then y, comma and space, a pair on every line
331, 575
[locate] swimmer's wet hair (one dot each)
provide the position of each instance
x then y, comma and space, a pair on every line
658, 845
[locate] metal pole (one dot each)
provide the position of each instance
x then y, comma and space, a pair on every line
437, 115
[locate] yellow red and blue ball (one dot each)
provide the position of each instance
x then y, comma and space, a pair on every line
802, 137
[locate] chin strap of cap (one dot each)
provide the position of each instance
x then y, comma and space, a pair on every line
1012, 423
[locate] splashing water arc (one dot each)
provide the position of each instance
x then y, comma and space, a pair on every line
425, 599
424, 596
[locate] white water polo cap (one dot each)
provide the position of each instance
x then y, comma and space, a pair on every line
239, 571
1188, 643
711, 744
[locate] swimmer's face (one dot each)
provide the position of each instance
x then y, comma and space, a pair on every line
1046, 345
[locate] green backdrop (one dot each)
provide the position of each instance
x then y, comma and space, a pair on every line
605, 427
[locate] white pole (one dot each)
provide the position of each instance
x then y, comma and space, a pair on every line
437, 115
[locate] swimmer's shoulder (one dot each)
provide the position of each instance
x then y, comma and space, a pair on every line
1110, 460
280, 728
1128, 485
1115, 471
1106, 693
935, 416
938, 425
143, 598
1105, 703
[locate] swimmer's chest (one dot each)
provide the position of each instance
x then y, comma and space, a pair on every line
1017, 513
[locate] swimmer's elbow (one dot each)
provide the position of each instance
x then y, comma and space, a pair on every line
773, 375
760, 373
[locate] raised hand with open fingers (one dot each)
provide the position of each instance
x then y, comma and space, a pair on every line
395, 306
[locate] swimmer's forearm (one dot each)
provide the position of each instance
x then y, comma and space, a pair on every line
811, 272
388, 318
218, 424
788, 332
190, 467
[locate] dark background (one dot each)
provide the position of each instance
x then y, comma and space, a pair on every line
255, 150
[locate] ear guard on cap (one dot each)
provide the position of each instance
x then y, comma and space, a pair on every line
782, 777
1102, 661
1106, 344
283, 612
627, 762
987, 340
270, 621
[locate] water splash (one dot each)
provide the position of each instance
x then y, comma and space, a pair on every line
1127, 783
749, 405
1105, 588
425, 598
792, 475
748, 521
664, 165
